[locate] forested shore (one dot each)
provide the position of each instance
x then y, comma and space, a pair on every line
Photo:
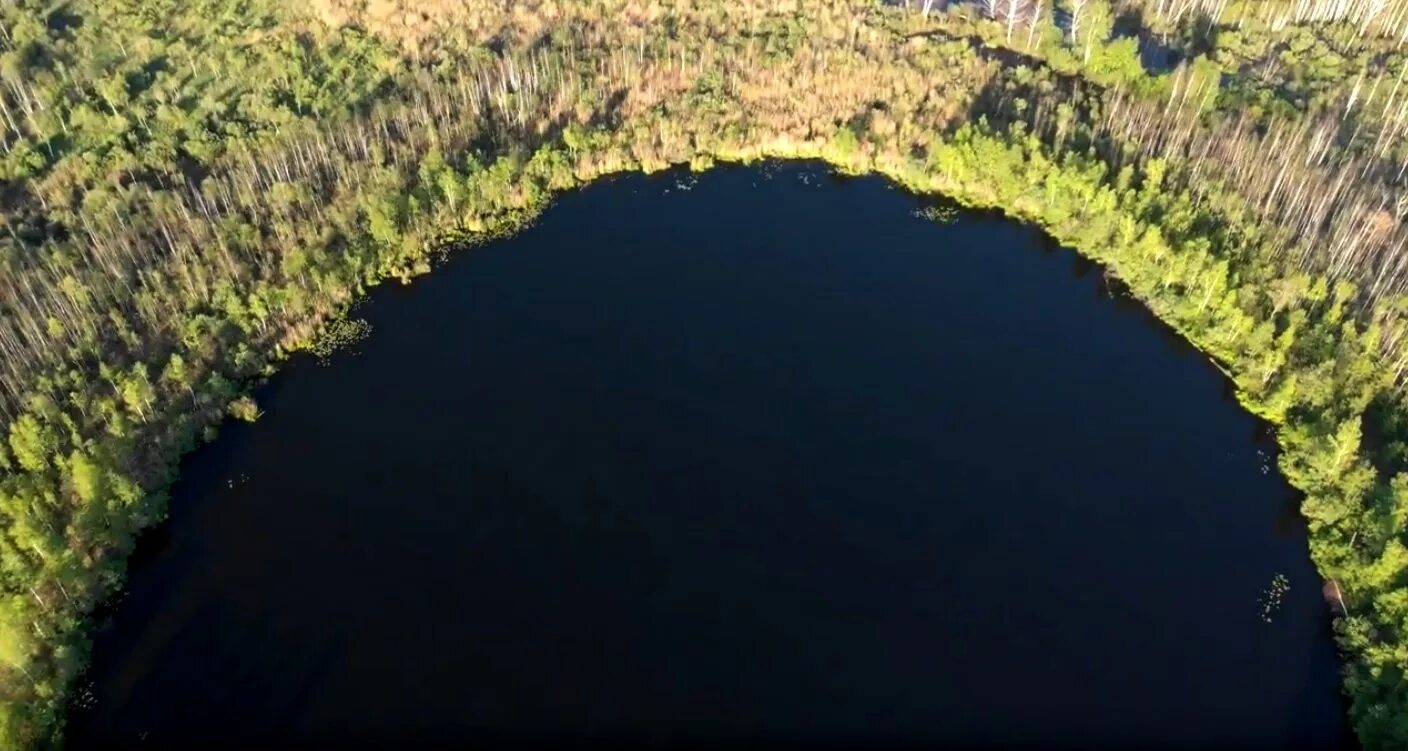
193, 189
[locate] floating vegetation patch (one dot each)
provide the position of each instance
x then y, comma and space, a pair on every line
684, 184
339, 335
1264, 461
943, 214
1270, 600
84, 698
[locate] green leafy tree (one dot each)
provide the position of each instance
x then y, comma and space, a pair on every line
33, 443
137, 392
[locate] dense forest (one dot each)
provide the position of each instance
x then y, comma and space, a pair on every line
195, 189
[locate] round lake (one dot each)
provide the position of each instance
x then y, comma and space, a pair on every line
762, 454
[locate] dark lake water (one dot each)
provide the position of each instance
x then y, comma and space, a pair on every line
766, 458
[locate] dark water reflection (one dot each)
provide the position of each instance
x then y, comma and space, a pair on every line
768, 458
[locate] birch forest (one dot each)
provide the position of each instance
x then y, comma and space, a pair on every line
194, 189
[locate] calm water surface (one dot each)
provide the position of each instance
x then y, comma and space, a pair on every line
768, 457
